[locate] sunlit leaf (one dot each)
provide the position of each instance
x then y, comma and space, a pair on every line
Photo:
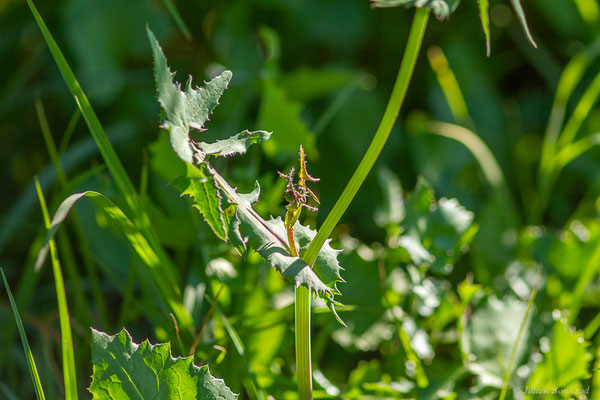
484, 16
126, 370
207, 198
566, 363
190, 109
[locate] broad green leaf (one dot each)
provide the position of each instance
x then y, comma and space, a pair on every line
521, 16
126, 370
191, 108
207, 199
436, 233
484, 16
440, 8
489, 334
35, 376
566, 363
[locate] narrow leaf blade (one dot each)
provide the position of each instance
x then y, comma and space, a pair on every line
523, 20
35, 376
484, 16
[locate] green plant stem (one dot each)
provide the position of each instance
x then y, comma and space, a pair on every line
513, 353
407, 66
303, 362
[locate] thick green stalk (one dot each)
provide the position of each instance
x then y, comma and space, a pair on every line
303, 364
407, 67
303, 356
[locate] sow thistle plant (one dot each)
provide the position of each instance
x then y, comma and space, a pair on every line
123, 369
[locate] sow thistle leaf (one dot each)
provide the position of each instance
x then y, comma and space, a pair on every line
126, 370
247, 230
440, 8
190, 109
206, 196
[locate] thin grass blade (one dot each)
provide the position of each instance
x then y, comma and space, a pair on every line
178, 19
35, 376
523, 20
68, 351
484, 16
520, 334
142, 247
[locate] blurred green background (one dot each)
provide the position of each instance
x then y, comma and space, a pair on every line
317, 74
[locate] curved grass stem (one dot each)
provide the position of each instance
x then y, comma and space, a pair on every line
303, 356
407, 66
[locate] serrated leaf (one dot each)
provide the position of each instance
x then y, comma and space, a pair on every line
207, 198
250, 230
440, 8
237, 144
566, 364
126, 370
191, 108
484, 16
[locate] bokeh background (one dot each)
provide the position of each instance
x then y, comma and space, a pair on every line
317, 74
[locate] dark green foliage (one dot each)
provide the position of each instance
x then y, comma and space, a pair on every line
439, 250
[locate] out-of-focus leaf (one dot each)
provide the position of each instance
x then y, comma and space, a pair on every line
306, 84
440, 8
436, 233
126, 370
521, 16
392, 211
484, 16
367, 323
566, 363
190, 109
489, 333
207, 198
281, 115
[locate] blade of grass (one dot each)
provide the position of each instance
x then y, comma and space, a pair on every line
178, 20
589, 10
513, 353
68, 352
407, 66
69, 130
522, 20
35, 377
485, 158
144, 250
80, 305
139, 216
484, 16
447, 80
